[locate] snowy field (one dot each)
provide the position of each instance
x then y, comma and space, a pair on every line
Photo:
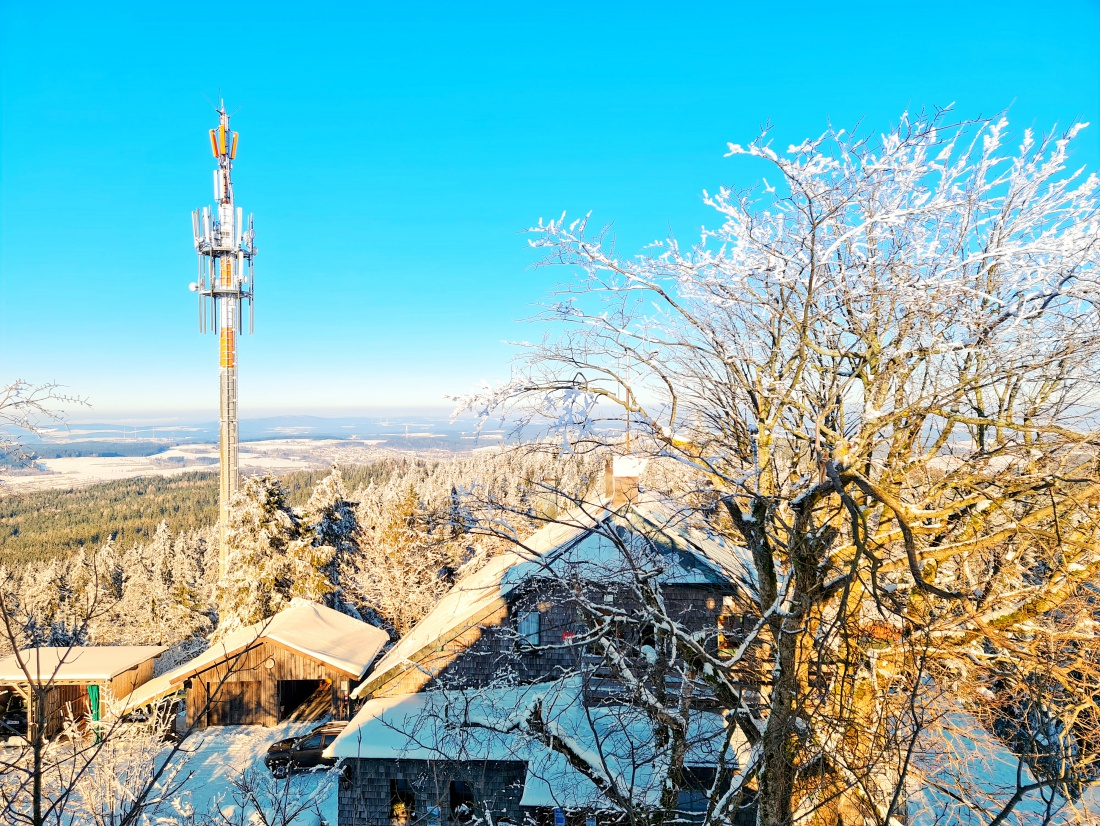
276, 456
209, 760
216, 777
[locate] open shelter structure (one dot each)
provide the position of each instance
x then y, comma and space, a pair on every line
73, 681
304, 661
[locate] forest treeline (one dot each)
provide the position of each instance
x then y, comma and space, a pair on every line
26, 455
381, 541
45, 524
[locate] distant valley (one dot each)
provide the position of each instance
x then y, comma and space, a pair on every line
87, 453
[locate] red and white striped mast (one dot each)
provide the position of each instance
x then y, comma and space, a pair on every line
226, 248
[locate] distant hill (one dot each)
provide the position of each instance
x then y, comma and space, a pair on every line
49, 523
95, 448
433, 429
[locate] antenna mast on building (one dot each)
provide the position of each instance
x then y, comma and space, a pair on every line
226, 247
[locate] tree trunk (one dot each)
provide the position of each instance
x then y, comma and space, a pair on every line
777, 779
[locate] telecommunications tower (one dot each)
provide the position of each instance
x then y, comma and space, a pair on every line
226, 247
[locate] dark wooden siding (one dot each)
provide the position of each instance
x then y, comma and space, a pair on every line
243, 689
365, 789
63, 701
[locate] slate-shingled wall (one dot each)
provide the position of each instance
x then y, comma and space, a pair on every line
482, 652
365, 790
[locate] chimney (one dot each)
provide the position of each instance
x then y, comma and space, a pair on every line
620, 479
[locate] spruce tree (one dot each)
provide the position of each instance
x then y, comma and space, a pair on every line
332, 519
272, 557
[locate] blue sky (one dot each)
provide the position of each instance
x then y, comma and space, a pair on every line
394, 153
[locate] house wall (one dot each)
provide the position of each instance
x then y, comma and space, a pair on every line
242, 690
61, 701
479, 653
127, 681
365, 789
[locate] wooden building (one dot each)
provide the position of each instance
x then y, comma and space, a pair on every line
304, 661
75, 682
451, 714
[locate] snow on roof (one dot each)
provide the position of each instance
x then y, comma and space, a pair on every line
489, 724
963, 776
317, 631
692, 558
733, 562
76, 663
473, 593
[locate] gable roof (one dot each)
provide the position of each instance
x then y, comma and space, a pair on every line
78, 663
317, 631
571, 542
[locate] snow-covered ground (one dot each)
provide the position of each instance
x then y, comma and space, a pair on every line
275, 456
210, 759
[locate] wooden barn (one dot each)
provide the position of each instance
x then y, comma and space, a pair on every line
303, 662
74, 681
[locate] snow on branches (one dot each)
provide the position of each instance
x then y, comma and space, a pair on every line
882, 367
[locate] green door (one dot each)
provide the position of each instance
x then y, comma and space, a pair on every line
93, 705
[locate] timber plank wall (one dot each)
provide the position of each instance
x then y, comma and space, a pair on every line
243, 690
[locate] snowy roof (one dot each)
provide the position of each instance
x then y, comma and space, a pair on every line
477, 591
964, 776
149, 691
691, 557
490, 724
317, 631
77, 663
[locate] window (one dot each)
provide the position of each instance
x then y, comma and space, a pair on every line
313, 742
691, 804
528, 626
731, 632
402, 803
462, 802
693, 797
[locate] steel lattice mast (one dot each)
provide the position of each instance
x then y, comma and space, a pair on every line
226, 249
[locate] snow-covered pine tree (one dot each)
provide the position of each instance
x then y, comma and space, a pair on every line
271, 557
397, 580
332, 519
159, 599
52, 602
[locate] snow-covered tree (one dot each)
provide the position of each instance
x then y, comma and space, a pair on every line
272, 557
334, 523
397, 579
154, 594
882, 368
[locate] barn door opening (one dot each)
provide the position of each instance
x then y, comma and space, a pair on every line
304, 699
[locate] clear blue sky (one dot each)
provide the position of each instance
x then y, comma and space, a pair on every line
393, 153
